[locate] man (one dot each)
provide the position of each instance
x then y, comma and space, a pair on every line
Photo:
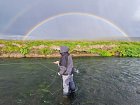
66, 70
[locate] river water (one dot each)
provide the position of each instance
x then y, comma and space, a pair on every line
101, 81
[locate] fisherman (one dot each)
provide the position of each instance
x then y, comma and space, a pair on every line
65, 65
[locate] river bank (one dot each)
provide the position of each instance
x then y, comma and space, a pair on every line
19, 49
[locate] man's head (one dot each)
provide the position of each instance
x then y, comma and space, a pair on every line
64, 49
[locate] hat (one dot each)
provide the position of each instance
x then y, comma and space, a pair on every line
64, 49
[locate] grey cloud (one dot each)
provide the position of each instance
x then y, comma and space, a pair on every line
123, 13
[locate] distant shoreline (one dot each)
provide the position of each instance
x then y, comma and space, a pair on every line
49, 49
43, 56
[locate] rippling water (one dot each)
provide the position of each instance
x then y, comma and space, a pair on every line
101, 81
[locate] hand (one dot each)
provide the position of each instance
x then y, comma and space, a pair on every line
58, 73
56, 62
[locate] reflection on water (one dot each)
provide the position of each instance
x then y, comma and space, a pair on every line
101, 81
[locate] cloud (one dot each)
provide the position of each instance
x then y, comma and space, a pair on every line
137, 14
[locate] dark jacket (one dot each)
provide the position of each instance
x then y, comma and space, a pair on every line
66, 62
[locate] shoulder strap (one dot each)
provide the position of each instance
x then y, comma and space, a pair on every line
67, 61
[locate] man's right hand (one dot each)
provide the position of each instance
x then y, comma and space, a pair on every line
56, 62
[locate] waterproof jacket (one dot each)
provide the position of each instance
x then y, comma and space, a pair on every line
66, 62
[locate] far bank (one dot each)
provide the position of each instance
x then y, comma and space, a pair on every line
19, 49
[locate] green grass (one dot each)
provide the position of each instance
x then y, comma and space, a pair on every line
102, 48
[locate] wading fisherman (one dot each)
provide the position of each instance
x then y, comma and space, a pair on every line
65, 65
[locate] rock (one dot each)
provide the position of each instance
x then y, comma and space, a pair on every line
34, 55
2, 45
16, 55
55, 47
15, 44
5, 55
117, 53
104, 47
39, 47
78, 46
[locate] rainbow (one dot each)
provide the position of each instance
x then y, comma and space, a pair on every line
75, 13
18, 15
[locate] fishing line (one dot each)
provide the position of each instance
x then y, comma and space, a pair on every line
4, 64
54, 77
54, 80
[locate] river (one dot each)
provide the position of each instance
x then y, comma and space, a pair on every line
101, 81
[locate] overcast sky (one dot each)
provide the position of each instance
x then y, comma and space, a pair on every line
18, 17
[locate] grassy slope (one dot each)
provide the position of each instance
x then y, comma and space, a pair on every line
101, 48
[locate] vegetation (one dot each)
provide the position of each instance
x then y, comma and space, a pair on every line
24, 50
45, 48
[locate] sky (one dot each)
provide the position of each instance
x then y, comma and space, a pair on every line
69, 19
